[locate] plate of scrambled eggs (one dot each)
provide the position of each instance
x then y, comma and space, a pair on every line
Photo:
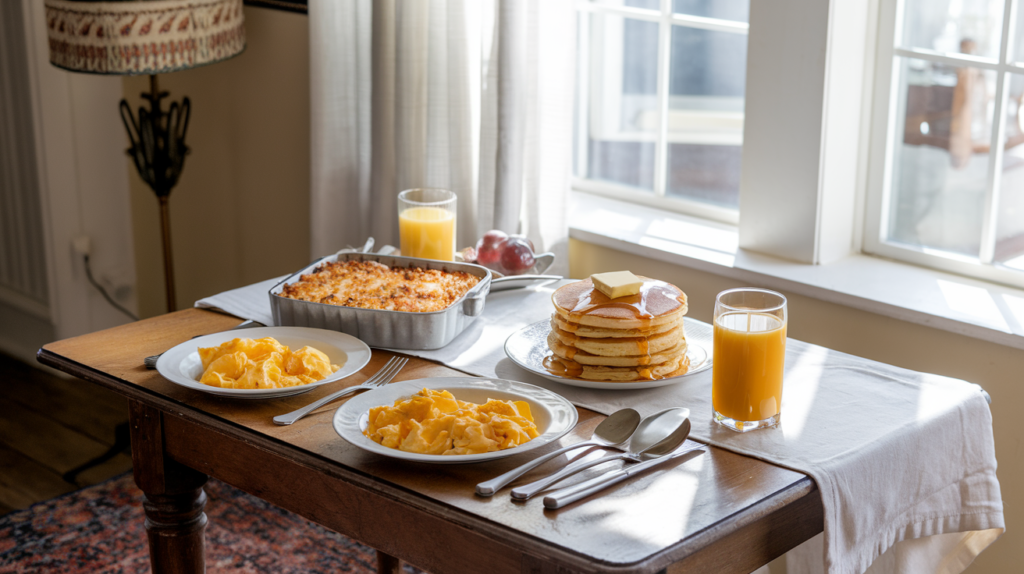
454, 420
264, 362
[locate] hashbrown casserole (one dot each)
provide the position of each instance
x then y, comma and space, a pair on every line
373, 285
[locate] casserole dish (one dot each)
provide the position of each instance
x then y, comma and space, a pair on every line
385, 328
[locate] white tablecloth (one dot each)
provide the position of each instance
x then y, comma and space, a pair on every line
897, 455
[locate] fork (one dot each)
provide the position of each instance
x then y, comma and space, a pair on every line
383, 377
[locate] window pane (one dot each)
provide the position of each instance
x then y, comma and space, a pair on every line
648, 4
1017, 37
623, 109
940, 156
705, 173
954, 26
705, 125
706, 63
1010, 224
738, 10
625, 163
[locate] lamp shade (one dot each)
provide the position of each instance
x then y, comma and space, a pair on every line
143, 36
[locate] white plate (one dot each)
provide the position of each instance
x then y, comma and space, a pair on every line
528, 346
553, 415
182, 365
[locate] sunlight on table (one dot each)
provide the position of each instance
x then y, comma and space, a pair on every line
802, 382
671, 491
933, 401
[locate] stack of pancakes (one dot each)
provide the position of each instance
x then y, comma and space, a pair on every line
633, 338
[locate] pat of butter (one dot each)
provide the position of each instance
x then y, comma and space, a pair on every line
617, 284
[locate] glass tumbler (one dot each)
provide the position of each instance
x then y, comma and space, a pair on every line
749, 356
426, 223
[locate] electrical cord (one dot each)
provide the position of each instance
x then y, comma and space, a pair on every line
88, 273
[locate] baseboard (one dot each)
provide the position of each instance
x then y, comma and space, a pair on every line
23, 333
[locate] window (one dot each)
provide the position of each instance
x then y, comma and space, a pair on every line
947, 163
660, 102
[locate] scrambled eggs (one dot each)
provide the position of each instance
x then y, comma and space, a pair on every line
435, 422
262, 364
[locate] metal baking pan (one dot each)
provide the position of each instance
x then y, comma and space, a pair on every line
382, 328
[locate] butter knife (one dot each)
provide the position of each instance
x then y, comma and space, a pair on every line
151, 360
519, 281
570, 494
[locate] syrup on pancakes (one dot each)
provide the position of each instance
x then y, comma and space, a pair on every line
582, 299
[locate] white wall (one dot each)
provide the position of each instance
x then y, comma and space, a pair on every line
240, 212
82, 191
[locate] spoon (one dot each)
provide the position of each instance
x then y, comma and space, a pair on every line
666, 426
613, 432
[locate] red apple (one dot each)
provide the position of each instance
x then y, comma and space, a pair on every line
493, 237
488, 249
526, 239
517, 255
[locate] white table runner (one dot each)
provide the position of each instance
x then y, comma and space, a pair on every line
896, 454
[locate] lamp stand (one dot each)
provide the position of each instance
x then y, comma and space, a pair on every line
165, 235
158, 150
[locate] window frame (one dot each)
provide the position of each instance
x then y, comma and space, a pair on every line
809, 76
585, 116
884, 131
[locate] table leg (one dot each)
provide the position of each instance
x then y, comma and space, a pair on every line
175, 521
175, 524
388, 564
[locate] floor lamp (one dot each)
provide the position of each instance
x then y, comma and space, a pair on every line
133, 37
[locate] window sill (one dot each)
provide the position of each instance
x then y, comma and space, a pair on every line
969, 307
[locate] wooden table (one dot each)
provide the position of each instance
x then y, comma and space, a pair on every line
719, 512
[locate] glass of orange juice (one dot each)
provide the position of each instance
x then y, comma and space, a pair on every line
749, 355
426, 223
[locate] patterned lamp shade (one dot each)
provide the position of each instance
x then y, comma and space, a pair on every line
131, 37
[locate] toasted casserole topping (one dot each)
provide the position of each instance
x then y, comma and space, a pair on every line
372, 285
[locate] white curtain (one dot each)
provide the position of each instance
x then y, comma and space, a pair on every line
469, 95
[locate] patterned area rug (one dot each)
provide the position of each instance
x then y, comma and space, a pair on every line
100, 530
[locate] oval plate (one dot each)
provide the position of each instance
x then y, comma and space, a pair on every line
528, 346
552, 413
182, 365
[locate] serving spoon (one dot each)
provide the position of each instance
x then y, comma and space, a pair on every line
661, 432
613, 432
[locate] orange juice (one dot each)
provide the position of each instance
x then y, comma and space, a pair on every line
427, 232
749, 353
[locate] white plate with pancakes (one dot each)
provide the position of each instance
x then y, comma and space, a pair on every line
630, 342
528, 348
554, 415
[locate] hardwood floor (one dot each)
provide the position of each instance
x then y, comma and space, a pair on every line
50, 426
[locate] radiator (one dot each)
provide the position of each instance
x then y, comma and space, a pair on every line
22, 247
